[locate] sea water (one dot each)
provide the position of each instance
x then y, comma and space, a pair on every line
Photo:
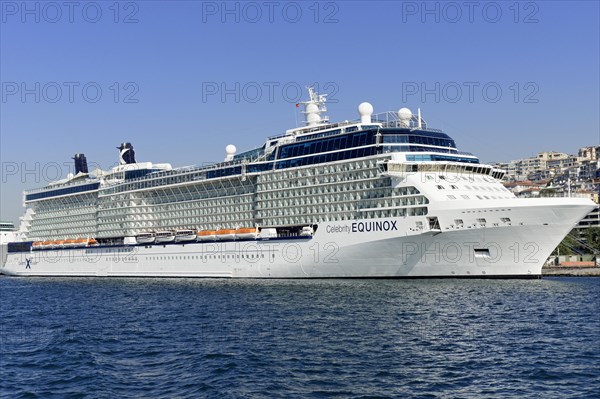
217, 338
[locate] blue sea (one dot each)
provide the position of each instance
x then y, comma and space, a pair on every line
213, 338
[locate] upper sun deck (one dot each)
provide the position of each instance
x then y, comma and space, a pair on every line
84, 182
71, 182
388, 119
318, 142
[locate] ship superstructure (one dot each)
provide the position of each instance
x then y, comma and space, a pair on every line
382, 196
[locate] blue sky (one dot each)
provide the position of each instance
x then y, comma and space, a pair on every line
504, 79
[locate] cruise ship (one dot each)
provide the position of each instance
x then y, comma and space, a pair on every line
381, 196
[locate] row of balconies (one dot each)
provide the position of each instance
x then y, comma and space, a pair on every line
318, 170
318, 180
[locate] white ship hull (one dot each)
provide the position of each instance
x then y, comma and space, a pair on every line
5, 238
383, 196
369, 248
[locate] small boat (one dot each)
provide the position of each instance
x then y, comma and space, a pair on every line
164, 236
47, 244
247, 233
225, 234
91, 242
145, 238
58, 244
69, 243
185, 235
307, 231
80, 242
268, 233
37, 245
206, 235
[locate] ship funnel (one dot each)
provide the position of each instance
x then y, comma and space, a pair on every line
80, 164
126, 153
365, 110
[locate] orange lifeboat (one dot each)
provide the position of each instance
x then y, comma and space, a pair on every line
38, 245
47, 244
206, 235
58, 243
225, 234
246, 233
69, 243
92, 241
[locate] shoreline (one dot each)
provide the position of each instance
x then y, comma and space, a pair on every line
570, 271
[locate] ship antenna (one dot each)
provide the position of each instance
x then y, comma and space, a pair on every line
314, 107
296, 114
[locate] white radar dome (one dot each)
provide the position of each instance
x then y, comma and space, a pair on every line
313, 119
312, 108
404, 114
230, 151
365, 109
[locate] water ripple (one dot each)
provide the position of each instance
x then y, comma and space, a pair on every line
188, 338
